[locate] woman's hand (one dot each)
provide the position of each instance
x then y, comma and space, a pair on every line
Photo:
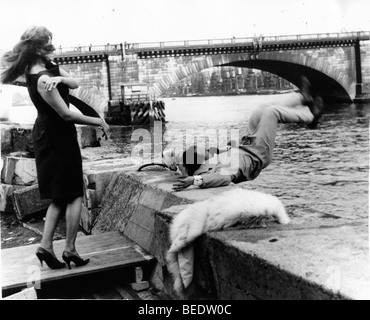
105, 128
52, 82
182, 183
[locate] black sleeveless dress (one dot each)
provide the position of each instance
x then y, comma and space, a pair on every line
57, 153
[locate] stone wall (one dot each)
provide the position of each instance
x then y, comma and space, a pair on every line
90, 75
294, 261
93, 77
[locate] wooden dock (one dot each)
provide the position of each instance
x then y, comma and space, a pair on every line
21, 269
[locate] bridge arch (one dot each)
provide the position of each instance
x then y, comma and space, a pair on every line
332, 84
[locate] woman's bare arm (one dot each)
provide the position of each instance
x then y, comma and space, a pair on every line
53, 98
51, 83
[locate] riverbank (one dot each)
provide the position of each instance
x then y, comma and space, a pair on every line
231, 93
317, 256
320, 175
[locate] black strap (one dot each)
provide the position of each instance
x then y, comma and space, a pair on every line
83, 107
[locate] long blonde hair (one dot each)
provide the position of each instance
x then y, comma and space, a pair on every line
31, 48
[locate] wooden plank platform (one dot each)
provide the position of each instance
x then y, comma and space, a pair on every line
20, 267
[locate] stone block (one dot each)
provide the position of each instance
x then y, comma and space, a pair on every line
153, 198
96, 183
6, 197
97, 176
140, 228
86, 136
139, 284
27, 202
119, 201
91, 199
15, 137
162, 237
22, 138
6, 138
19, 171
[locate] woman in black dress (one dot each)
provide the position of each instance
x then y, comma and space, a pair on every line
57, 153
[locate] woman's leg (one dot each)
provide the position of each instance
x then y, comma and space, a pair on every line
73, 215
53, 214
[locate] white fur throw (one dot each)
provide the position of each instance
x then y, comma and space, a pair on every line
218, 212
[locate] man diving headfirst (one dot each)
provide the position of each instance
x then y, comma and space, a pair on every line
245, 162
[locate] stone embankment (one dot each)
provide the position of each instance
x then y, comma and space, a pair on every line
322, 258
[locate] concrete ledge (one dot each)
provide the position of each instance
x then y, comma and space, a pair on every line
314, 259
314, 262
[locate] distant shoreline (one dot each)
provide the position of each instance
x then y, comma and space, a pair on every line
249, 93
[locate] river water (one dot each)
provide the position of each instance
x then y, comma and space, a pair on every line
316, 173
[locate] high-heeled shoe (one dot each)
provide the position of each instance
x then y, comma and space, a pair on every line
69, 257
50, 260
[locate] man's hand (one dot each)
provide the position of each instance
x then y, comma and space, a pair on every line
182, 183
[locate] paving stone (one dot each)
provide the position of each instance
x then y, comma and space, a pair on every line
118, 203
27, 202
19, 171
140, 228
6, 138
6, 197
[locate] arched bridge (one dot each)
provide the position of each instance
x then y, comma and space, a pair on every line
338, 65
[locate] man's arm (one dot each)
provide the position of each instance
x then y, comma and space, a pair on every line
209, 180
213, 180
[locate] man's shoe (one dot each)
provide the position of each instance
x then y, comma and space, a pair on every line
316, 108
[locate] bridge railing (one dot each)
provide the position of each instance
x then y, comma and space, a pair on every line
108, 48
187, 43
118, 48
247, 40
